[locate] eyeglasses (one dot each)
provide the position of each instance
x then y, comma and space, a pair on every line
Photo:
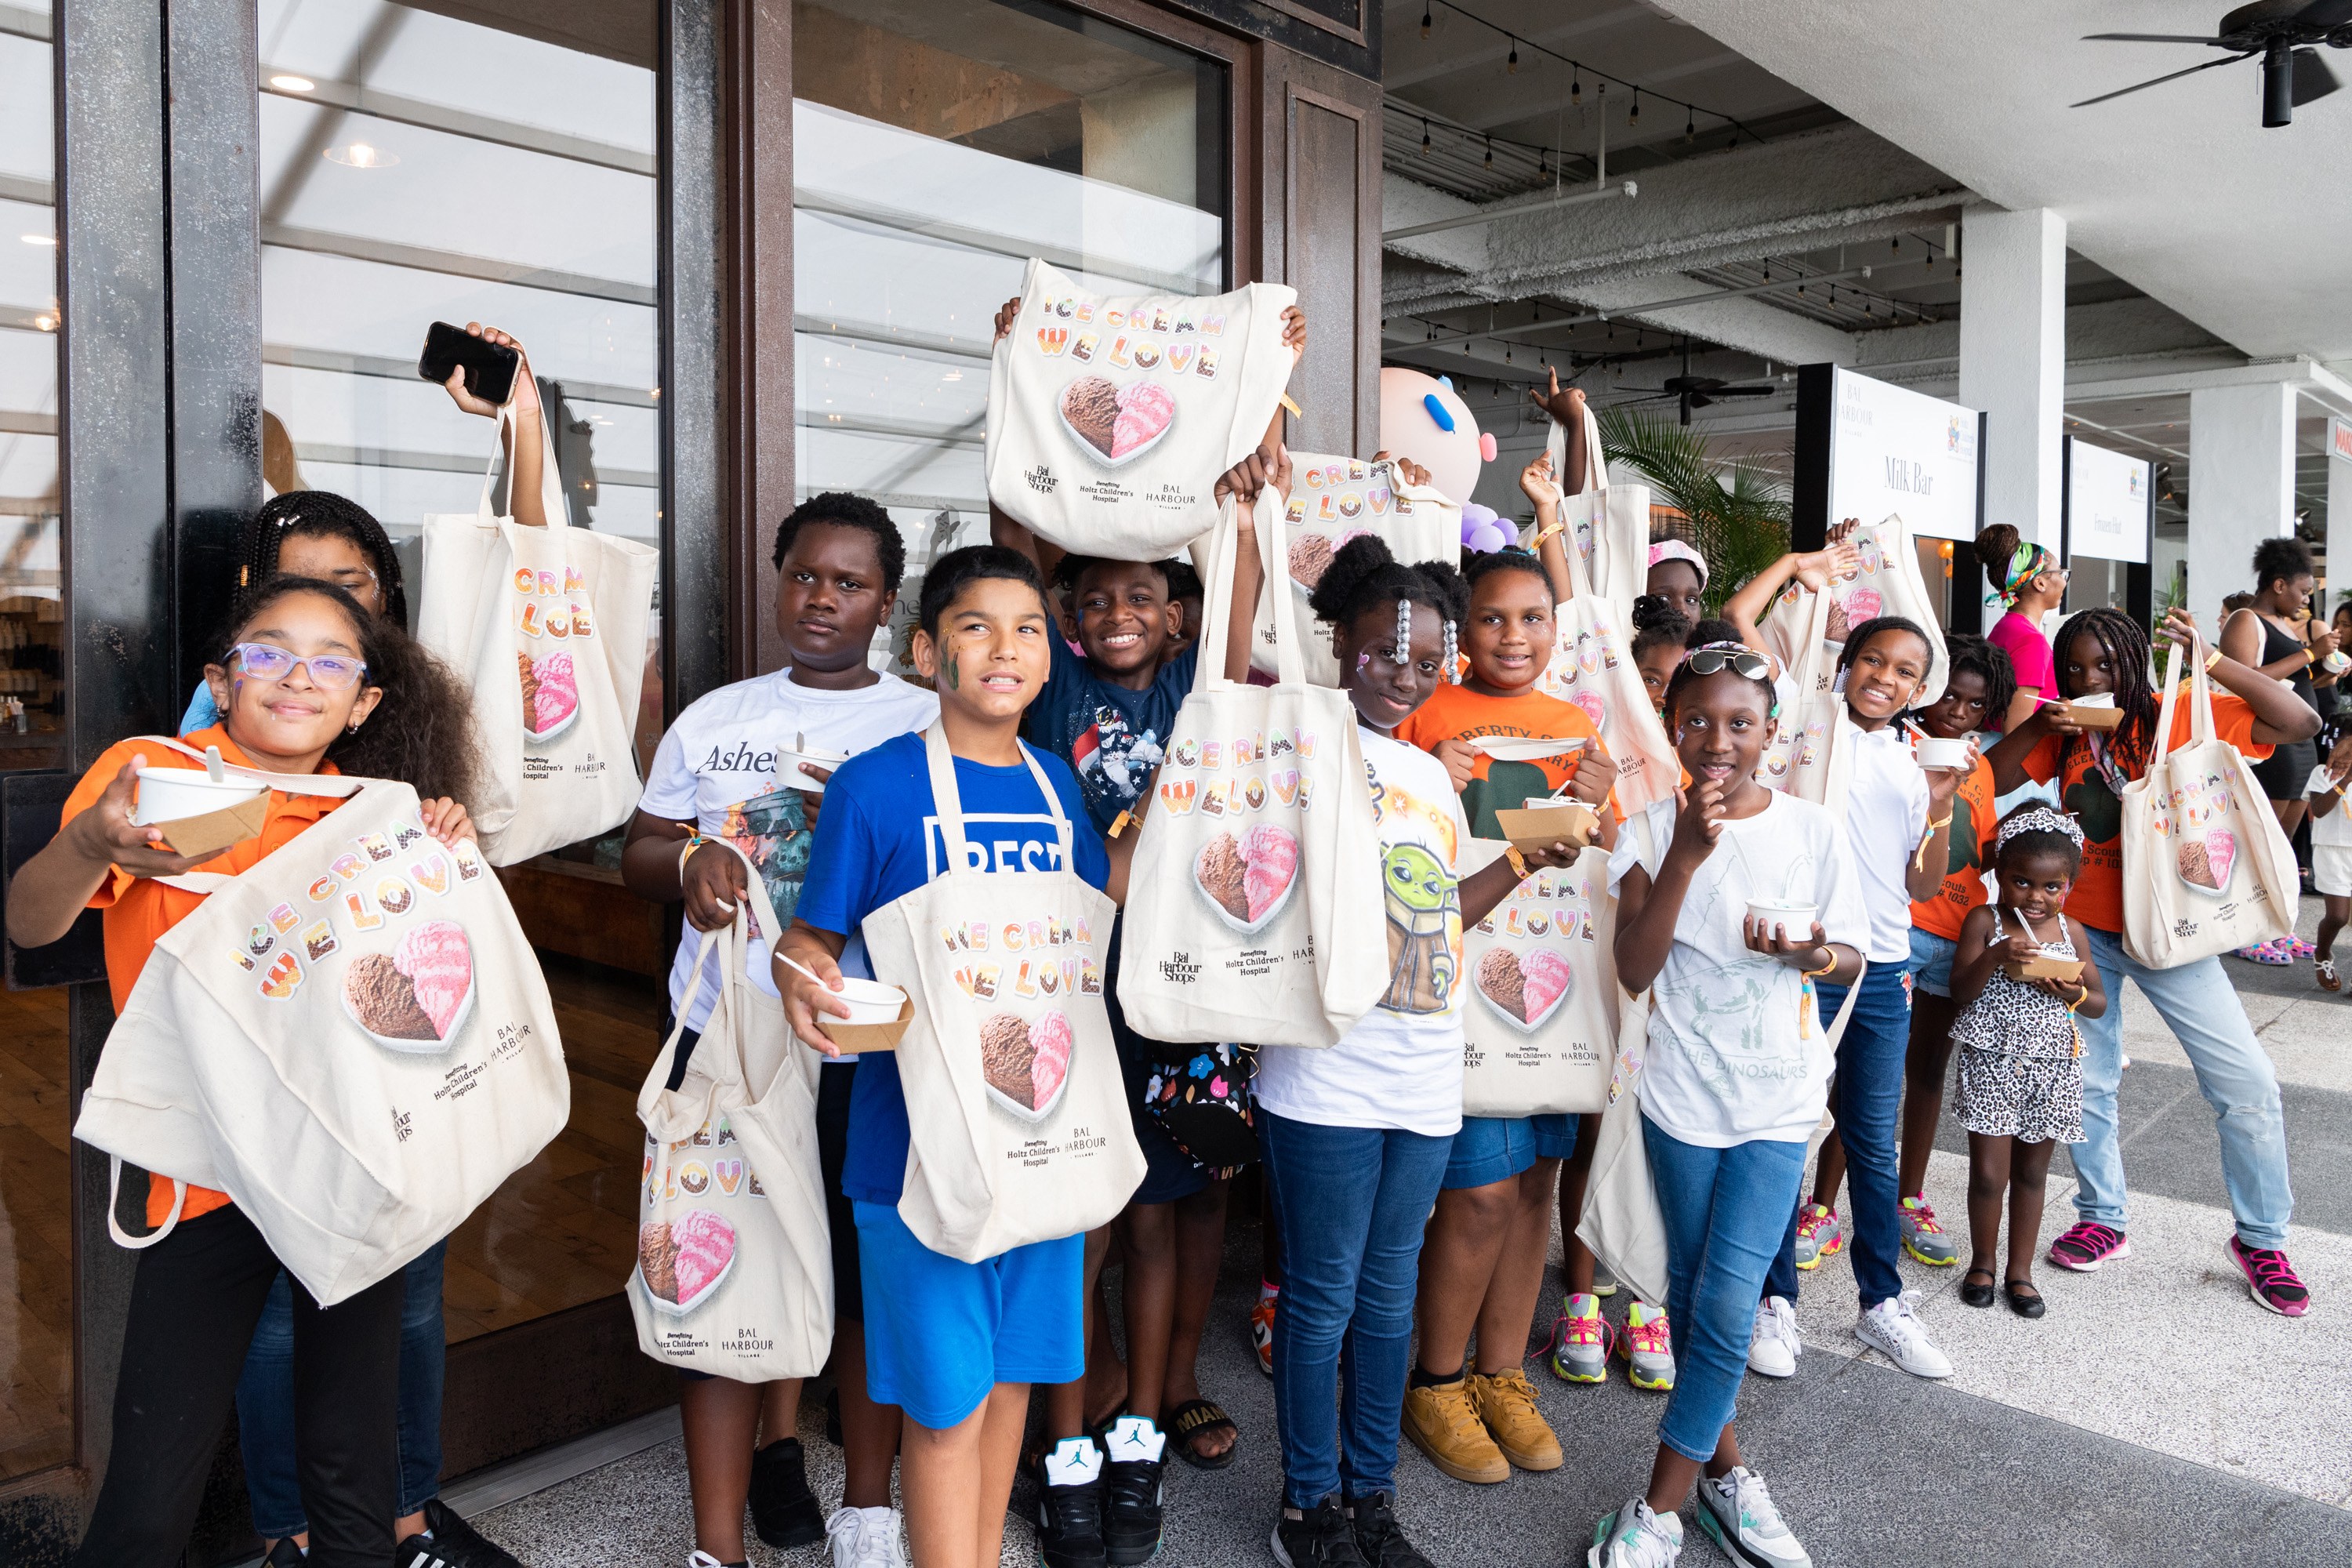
267, 661
1741, 661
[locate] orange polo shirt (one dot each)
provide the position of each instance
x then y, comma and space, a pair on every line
138, 910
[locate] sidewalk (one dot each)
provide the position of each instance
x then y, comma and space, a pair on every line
2155, 1415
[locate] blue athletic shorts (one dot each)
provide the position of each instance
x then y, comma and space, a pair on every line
941, 1333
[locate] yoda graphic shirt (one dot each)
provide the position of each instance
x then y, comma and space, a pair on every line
1739, 1043
1400, 1066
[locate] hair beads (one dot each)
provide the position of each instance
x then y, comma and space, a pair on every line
1453, 663
1404, 654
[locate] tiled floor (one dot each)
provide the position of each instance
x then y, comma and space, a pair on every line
2154, 1416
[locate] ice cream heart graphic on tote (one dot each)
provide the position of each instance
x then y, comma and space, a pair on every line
415, 996
551, 695
1026, 1064
2207, 859
1116, 424
682, 1258
1527, 989
1247, 880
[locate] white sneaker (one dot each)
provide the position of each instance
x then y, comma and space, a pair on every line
1774, 1347
865, 1538
1739, 1514
1892, 1329
701, 1559
1633, 1537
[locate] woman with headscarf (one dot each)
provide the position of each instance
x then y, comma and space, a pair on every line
2029, 581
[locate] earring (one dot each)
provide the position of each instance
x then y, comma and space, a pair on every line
355, 728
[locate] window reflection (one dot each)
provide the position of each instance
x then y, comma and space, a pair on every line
936, 148
417, 168
37, 1423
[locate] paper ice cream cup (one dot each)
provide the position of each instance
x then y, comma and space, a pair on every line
168, 794
1948, 756
1798, 918
790, 764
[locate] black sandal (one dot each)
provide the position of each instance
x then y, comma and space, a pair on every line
1976, 1295
2023, 1298
1188, 1421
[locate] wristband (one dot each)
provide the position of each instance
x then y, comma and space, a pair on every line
1519, 862
694, 841
1824, 969
2211, 659
1919, 860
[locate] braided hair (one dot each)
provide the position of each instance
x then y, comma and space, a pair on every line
2127, 646
320, 514
1363, 576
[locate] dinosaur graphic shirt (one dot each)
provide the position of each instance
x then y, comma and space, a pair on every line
1400, 1066
1737, 1045
2085, 790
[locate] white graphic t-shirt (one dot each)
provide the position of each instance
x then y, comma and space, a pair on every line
1400, 1066
717, 768
1738, 1051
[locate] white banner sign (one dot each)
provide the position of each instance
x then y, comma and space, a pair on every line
1895, 450
2106, 503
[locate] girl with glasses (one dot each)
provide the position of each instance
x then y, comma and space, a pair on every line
306, 681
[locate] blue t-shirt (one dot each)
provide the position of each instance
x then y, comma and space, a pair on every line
203, 712
1110, 735
877, 840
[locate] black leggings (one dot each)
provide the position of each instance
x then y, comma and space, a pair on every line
194, 1303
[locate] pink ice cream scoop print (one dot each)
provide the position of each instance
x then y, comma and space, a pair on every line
1052, 1037
557, 698
706, 1244
1145, 411
439, 962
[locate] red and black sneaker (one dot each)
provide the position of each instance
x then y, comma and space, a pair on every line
2271, 1279
2087, 1246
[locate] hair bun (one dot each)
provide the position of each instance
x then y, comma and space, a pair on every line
1995, 545
1362, 557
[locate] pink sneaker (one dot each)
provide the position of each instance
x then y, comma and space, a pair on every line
2087, 1246
2271, 1279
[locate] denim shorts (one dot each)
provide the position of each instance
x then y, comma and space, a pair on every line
1491, 1149
1931, 961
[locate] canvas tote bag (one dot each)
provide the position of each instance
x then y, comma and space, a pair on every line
1806, 728
548, 626
1610, 523
1884, 580
1110, 416
1253, 908
1541, 1032
1621, 1222
352, 1039
1333, 500
1019, 1125
1592, 667
734, 1272
2206, 868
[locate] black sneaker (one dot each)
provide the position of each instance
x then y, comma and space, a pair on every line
1320, 1538
1135, 1464
448, 1542
1070, 1506
285, 1554
1379, 1537
784, 1510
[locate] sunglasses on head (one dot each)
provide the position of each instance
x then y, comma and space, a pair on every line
267, 661
1740, 661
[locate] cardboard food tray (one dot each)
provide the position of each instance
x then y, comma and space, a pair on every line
857, 1039
2046, 969
207, 834
1534, 828
2094, 718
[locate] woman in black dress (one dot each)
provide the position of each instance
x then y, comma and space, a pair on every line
2278, 634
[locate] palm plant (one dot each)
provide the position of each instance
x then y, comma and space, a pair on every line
1738, 514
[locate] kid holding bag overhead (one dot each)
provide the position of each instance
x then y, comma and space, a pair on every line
308, 683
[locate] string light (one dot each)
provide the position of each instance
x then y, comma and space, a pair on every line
1575, 82
1424, 138
1424, 21
1490, 152
1543, 163
1896, 245
1690, 124
1513, 67
1635, 116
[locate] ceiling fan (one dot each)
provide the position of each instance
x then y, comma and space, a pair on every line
2284, 34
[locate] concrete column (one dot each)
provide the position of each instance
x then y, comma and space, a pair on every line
2013, 359
2339, 515
2241, 487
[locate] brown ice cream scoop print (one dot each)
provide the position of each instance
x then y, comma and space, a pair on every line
1025, 1063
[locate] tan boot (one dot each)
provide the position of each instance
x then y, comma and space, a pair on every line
1442, 1423
1506, 1405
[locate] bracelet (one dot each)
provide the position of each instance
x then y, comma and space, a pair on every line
1824, 969
694, 841
1519, 862
1919, 860
2212, 659
1542, 534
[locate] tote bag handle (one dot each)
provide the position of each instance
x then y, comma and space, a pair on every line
114, 1215
948, 804
1218, 609
551, 483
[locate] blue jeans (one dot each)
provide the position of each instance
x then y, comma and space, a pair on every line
1350, 1202
1866, 1097
264, 1401
2198, 1005
1723, 1210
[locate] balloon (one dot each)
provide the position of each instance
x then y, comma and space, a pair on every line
1490, 537
1424, 417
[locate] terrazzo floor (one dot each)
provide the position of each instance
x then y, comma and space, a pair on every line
2154, 1416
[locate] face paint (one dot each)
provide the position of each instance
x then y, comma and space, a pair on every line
955, 676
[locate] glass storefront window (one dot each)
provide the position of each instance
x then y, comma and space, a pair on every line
936, 148
37, 1421
417, 168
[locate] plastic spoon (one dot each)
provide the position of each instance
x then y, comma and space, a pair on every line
212, 768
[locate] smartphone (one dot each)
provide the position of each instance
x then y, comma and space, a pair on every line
489, 367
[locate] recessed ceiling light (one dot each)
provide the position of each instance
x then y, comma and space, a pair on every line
40, 239
289, 83
360, 155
